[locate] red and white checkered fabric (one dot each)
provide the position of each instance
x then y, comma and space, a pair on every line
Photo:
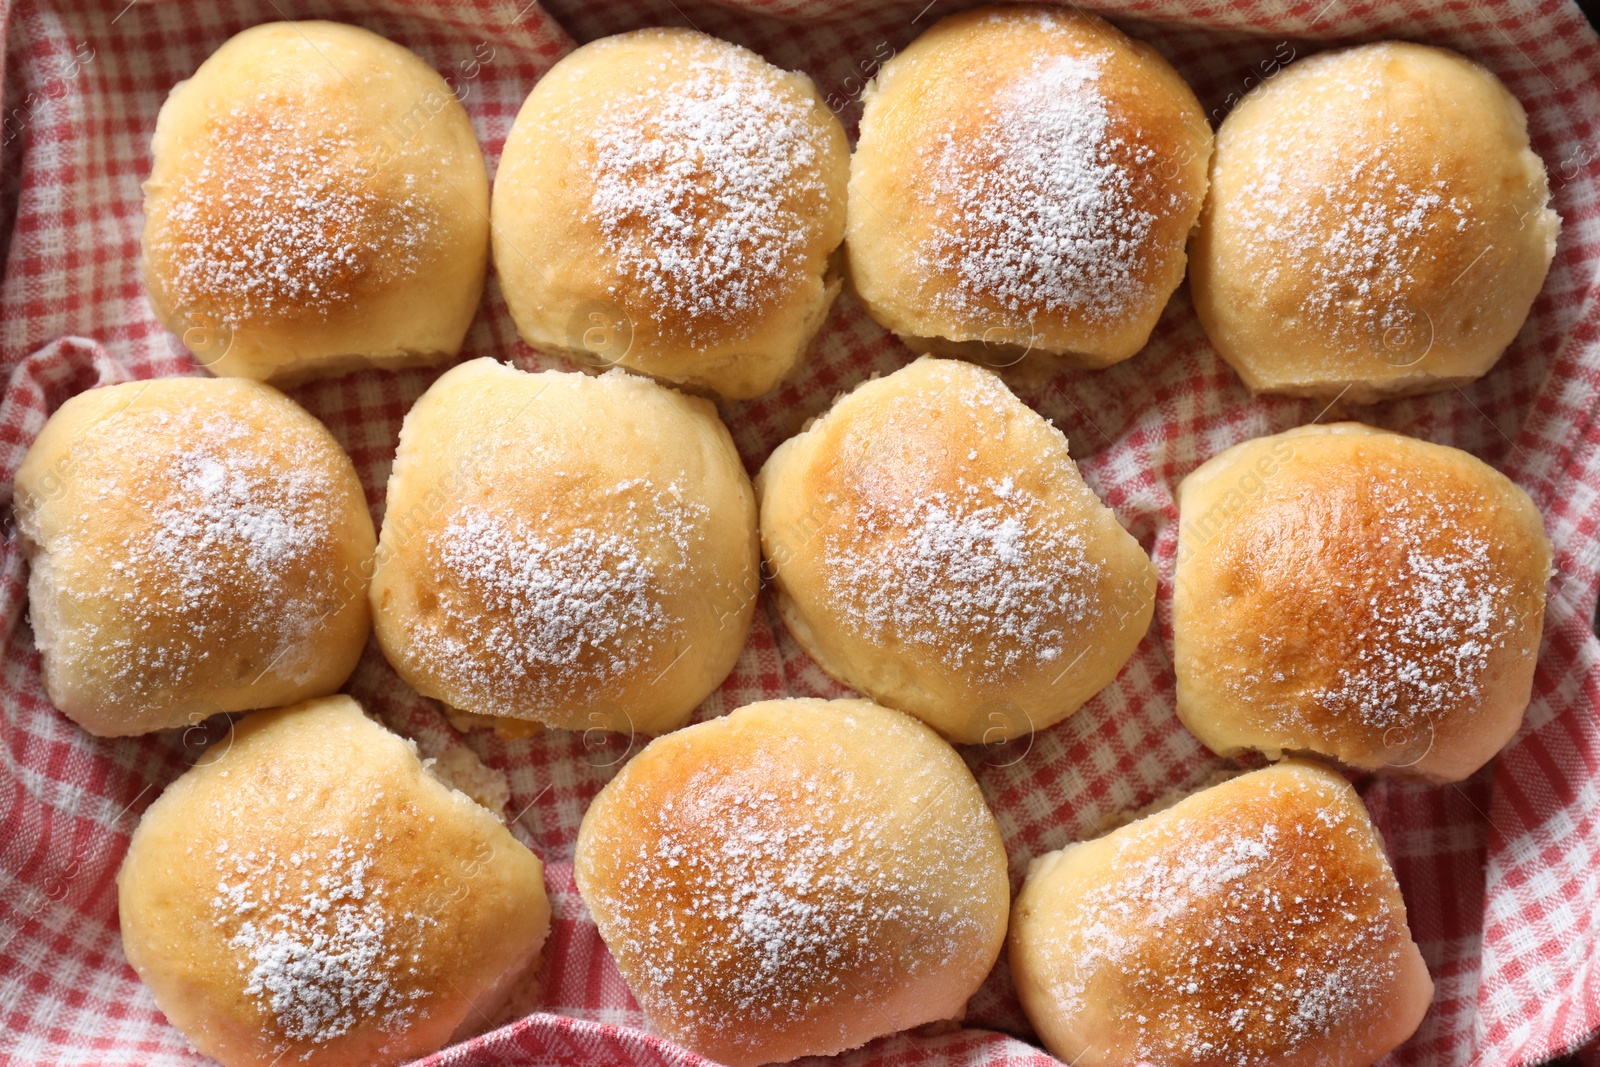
1501, 874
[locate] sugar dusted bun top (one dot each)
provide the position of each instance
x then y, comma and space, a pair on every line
317, 202
794, 879
1025, 180
1378, 225
565, 549
1359, 594
669, 202
196, 546
310, 894
933, 545
1256, 922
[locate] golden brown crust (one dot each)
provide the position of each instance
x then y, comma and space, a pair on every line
1401, 250
796, 878
669, 203
1025, 180
1256, 922
297, 896
574, 550
1359, 594
933, 545
197, 546
310, 183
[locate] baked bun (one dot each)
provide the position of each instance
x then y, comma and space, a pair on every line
576, 551
197, 546
1025, 180
310, 894
1256, 922
670, 203
795, 879
1358, 594
1377, 225
317, 202
933, 546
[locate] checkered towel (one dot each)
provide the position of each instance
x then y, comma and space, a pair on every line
1501, 873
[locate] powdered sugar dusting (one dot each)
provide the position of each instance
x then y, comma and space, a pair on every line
286, 214
766, 892
1428, 640
1427, 605
224, 508
318, 948
705, 190
1336, 210
979, 576
1255, 938
532, 610
1360, 244
234, 556
982, 574
1038, 214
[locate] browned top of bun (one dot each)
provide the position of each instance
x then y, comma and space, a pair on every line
197, 544
238, 234
1255, 923
1038, 172
309, 894
277, 194
1377, 218
565, 548
706, 181
950, 519
708, 171
935, 547
1085, 98
795, 878
1371, 585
